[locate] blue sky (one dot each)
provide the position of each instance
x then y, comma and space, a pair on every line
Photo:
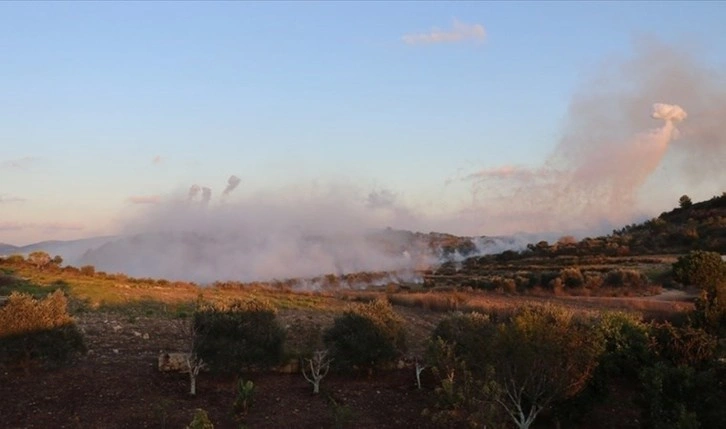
102, 102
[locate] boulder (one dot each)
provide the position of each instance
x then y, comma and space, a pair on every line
173, 362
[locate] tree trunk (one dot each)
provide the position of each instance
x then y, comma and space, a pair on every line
193, 380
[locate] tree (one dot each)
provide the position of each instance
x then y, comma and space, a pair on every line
243, 334
193, 361
366, 336
319, 365
685, 202
40, 259
700, 268
542, 355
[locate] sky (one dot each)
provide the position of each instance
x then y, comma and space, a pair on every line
475, 118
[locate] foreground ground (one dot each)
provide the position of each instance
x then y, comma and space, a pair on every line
117, 385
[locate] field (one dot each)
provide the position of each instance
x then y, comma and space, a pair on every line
128, 322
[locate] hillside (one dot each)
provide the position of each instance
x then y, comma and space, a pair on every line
628, 261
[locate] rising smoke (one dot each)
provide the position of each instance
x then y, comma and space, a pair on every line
601, 173
232, 183
622, 128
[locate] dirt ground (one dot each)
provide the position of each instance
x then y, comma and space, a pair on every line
118, 385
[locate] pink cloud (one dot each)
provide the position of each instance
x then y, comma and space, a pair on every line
144, 199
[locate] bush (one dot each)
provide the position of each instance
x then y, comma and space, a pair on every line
41, 330
88, 270
366, 336
626, 278
682, 397
244, 334
200, 420
469, 334
627, 345
700, 268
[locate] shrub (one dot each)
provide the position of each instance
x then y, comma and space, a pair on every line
42, 330
245, 397
626, 278
682, 397
461, 398
366, 336
700, 268
572, 277
88, 270
468, 334
243, 334
627, 345
200, 420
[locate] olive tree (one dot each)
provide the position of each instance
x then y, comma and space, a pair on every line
40, 259
540, 356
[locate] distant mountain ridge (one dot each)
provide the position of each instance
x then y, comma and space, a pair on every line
70, 250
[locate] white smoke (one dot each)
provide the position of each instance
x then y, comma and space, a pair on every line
194, 190
232, 183
608, 167
206, 195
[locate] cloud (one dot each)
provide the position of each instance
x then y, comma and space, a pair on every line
157, 160
460, 32
4, 199
46, 227
144, 199
20, 163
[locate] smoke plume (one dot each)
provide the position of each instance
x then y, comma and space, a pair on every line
232, 183
603, 170
206, 195
194, 190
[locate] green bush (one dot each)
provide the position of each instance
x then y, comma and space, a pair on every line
200, 420
627, 345
682, 397
700, 268
38, 330
469, 334
244, 334
245, 397
366, 336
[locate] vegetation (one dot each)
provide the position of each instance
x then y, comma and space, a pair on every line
200, 420
494, 358
240, 335
366, 336
38, 330
701, 269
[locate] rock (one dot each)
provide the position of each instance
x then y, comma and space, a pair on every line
145, 336
173, 362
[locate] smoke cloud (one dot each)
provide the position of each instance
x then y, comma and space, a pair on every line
603, 168
232, 183
206, 195
291, 233
194, 190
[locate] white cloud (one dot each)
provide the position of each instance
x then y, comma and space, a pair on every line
144, 199
47, 227
10, 199
460, 32
20, 163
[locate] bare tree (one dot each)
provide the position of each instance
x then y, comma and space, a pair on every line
419, 369
194, 362
319, 367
